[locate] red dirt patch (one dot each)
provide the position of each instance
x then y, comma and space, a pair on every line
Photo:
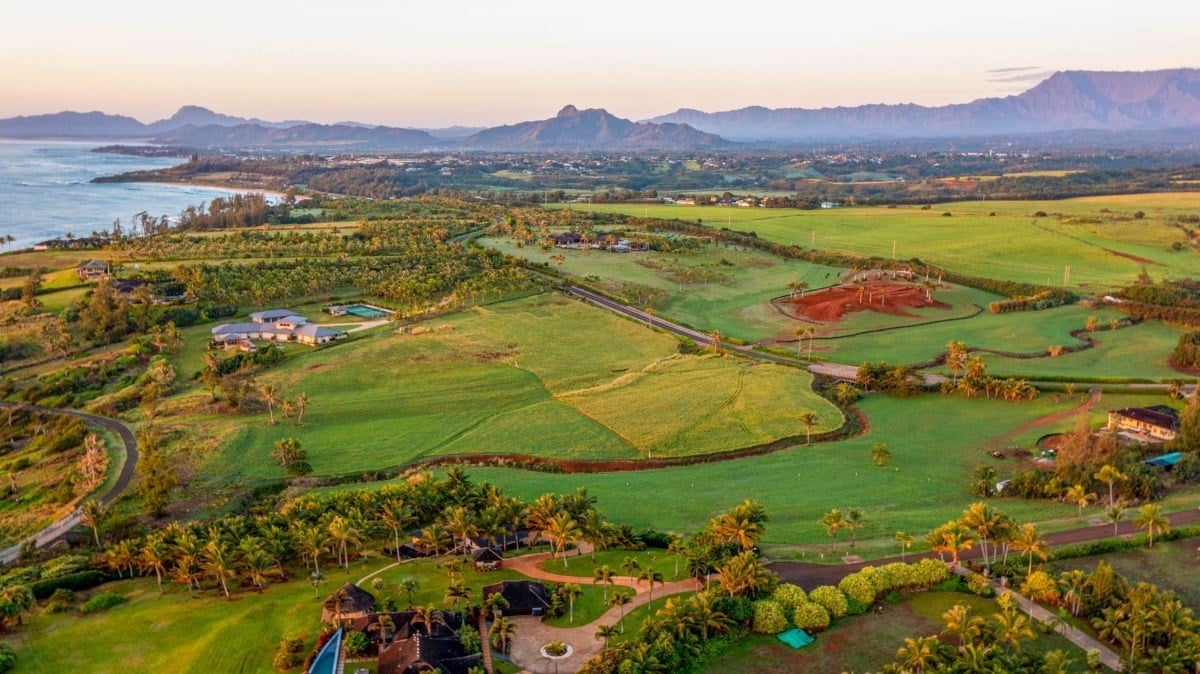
882, 297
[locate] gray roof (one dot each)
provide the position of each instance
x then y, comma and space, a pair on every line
273, 315
230, 328
310, 330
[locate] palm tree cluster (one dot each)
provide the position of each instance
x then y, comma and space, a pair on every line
975, 379
265, 545
996, 533
973, 643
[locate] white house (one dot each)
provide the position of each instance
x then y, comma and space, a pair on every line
276, 325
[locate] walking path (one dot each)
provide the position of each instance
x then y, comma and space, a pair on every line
57, 529
1076, 636
532, 633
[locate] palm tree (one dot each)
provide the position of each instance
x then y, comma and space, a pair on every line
344, 533
834, 522
603, 574
650, 576
737, 527
702, 610
620, 599
961, 625
905, 542
1011, 628
562, 531
1115, 512
258, 563
93, 514
456, 593
919, 654
954, 537
311, 542
604, 633
502, 632
1150, 517
434, 537
809, 420
571, 591
1081, 497
270, 395
629, 565
1029, 543
744, 575
676, 548
218, 561
854, 521
395, 516
460, 522
1110, 476
154, 557
301, 408
983, 520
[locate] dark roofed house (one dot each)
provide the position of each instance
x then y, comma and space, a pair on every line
487, 559
524, 597
427, 654
1155, 424
349, 603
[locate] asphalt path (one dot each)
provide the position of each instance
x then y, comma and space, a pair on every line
58, 529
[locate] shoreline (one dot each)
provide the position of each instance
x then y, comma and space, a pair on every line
211, 186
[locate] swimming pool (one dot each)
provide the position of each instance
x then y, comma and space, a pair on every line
364, 311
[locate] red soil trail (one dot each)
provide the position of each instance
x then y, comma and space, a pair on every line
879, 296
999, 441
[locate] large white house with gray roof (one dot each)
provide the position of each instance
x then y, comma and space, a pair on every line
275, 325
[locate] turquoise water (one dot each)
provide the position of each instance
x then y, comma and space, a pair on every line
45, 190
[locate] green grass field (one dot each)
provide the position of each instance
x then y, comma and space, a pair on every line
738, 306
584, 567
1104, 250
545, 376
936, 440
207, 633
865, 643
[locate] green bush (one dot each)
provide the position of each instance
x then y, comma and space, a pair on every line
356, 643
978, 584
62, 600
789, 596
81, 580
858, 586
930, 572
811, 617
856, 607
953, 584
769, 617
831, 599
8, 658
289, 653
102, 602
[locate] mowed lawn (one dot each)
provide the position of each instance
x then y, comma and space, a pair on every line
544, 376
738, 305
936, 440
1104, 249
204, 634
867, 642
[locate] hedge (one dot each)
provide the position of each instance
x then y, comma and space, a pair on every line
769, 617
831, 599
789, 596
81, 580
102, 602
811, 617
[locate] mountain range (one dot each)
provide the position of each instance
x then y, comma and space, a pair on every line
1066, 101
1110, 102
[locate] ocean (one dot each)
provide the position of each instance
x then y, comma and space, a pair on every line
45, 190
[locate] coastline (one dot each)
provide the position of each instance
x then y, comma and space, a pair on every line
213, 186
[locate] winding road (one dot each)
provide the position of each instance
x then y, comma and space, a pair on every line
57, 529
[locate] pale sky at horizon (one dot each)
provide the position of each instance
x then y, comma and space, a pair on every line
482, 63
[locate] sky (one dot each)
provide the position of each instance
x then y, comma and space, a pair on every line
432, 64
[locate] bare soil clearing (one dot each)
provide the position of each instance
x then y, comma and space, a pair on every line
883, 297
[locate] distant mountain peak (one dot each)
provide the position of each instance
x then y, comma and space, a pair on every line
568, 111
593, 129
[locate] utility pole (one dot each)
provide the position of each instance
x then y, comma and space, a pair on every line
814, 238
1067, 276
893, 249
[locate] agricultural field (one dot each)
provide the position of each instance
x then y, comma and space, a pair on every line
867, 642
1094, 235
737, 303
936, 440
544, 376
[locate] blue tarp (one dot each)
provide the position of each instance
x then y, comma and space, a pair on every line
795, 637
1165, 460
327, 660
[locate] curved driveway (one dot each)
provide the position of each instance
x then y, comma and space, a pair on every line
57, 529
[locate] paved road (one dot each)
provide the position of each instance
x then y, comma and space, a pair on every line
809, 575
832, 370
56, 530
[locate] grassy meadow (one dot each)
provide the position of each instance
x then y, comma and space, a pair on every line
545, 376
738, 305
1096, 236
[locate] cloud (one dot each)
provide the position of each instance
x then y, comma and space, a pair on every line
1018, 75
